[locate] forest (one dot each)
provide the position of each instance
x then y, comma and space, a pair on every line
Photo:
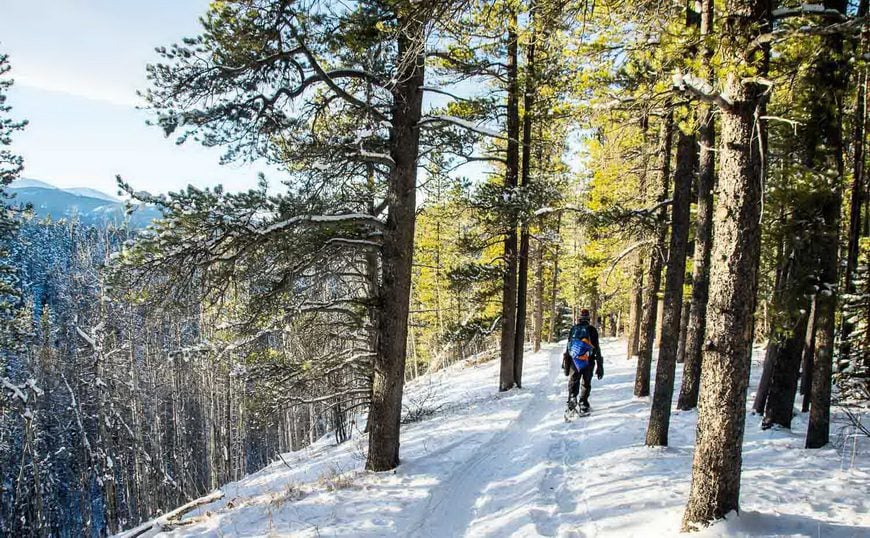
455, 180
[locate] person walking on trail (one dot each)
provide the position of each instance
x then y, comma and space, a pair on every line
582, 350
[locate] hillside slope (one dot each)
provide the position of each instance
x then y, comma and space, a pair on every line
89, 206
487, 464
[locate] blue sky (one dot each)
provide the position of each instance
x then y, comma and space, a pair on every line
77, 65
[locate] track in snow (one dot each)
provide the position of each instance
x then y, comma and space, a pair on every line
517, 479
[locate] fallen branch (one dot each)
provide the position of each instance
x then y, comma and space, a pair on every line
171, 519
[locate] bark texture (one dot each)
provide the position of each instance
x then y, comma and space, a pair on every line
635, 309
807, 358
660, 415
684, 330
654, 268
717, 464
539, 297
824, 139
859, 118
688, 398
398, 247
784, 375
509, 282
523, 276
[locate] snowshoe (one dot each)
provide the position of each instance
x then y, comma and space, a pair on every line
571, 411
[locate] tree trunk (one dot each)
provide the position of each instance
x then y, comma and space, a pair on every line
825, 153
784, 375
684, 331
654, 269
636, 306
715, 489
507, 378
554, 285
635, 309
398, 248
675, 276
539, 297
763, 389
858, 187
523, 277
807, 357
688, 398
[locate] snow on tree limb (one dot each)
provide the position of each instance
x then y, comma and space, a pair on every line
701, 89
459, 122
86, 337
14, 389
320, 219
377, 158
807, 10
170, 519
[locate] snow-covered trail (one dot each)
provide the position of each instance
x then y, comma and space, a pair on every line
517, 481
492, 480
490, 464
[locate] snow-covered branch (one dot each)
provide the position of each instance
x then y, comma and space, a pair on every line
817, 10
170, 519
377, 158
459, 122
701, 89
321, 219
14, 389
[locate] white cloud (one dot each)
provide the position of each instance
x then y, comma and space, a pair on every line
78, 86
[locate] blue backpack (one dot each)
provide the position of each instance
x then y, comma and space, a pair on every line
580, 346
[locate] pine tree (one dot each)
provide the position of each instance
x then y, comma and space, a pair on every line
11, 166
716, 468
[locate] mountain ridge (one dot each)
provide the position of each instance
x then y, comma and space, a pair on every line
90, 206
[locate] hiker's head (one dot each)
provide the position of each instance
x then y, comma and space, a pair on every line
584, 316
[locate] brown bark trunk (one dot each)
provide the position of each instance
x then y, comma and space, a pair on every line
523, 277
636, 306
554, 289
764, 381
634, 310
825, 152
684, 331
690, 385
784, 374
398, 247
716, 468
654, 269
539, 298
509, 282
660, 414
858, 187
807, 357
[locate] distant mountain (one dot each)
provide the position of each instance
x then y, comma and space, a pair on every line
25, 182
90, 206
93, 193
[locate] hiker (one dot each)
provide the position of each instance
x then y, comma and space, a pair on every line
582, 350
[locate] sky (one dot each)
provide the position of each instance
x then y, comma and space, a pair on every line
77, 65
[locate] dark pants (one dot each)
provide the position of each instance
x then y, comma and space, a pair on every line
574, 381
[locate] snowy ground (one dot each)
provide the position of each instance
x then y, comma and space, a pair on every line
487, 464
